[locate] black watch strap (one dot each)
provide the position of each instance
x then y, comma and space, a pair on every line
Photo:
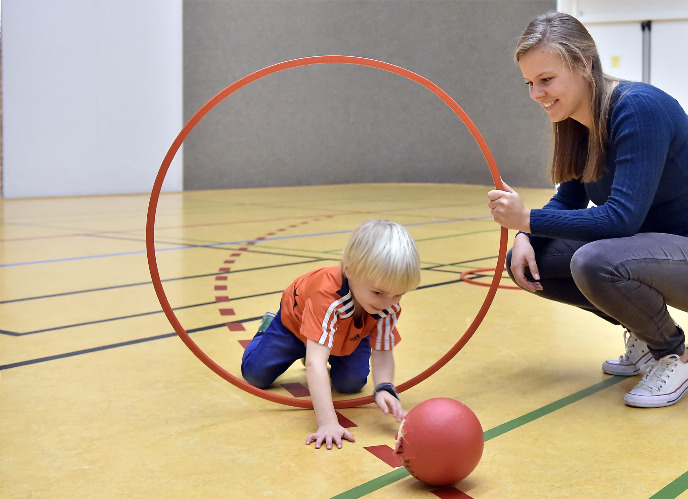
385, 387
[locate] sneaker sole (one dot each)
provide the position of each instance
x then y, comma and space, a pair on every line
609, 367
651, 401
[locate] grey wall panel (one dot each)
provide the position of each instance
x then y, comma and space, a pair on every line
333, 123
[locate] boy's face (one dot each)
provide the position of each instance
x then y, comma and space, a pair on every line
372, 297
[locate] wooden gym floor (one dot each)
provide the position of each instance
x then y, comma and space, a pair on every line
100, 398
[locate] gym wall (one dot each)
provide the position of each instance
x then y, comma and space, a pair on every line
333, 123
94, 93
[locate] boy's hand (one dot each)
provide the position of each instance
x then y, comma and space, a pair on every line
329, 433
388, 404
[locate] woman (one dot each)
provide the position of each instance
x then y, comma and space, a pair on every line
613, 240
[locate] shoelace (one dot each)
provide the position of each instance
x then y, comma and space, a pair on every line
657, 377
648, 366
629, 344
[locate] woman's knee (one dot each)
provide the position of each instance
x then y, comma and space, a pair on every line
507, 265
592, 265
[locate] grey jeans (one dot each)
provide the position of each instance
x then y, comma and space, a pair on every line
628, 281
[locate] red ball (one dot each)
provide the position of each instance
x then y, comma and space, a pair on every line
440, 441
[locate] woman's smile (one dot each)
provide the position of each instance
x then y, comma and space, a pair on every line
562, 91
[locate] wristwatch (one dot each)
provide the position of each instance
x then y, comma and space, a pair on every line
385, 387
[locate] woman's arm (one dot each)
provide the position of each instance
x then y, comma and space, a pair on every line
639, 141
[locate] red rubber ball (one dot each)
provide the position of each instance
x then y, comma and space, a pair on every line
440, 441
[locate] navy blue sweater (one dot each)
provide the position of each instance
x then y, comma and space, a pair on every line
645, 185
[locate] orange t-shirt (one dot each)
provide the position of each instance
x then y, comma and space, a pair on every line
319, 306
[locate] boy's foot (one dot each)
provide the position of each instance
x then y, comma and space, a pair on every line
663, 385
265, 323
632, 362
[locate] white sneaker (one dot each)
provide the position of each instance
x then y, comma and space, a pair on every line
663, 385
632, 362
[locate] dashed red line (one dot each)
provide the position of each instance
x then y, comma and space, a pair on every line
296, 390
344, 421
450, 493
384, 453
224, 270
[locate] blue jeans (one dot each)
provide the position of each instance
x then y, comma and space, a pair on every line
271, 352
628, 281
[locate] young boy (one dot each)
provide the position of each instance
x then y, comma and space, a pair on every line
344, 315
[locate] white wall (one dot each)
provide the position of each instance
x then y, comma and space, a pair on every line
621, 48
615, 26
669, 58
606, 11
92, 95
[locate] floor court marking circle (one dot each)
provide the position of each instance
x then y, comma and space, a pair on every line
196, 118
476, 272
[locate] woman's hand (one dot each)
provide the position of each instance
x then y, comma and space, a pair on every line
329, 433
508, 210
522, 257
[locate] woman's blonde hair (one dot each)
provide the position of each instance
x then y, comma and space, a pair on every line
383, 252
578, 152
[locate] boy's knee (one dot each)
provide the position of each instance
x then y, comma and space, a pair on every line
257, 379
349, 385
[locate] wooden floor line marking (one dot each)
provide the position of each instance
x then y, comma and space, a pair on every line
674, 489
385, 454
114, 345
200, 276
182, 247
450, 493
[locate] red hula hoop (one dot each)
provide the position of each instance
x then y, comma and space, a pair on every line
157, 187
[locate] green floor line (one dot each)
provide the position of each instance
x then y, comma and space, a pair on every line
550, 408
374, 484
674, 489
399, 473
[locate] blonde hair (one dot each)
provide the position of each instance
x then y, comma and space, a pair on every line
385, 253
578, 152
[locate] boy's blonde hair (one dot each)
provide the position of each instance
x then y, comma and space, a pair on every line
383, 252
